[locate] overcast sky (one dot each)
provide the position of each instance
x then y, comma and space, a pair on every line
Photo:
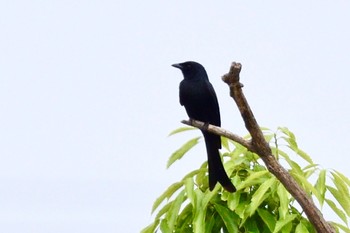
88, 97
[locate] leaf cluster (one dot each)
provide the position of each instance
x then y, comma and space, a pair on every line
261, 203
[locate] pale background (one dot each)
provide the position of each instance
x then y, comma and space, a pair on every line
88, 97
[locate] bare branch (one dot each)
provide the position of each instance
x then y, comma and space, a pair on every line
219, 131
259, 145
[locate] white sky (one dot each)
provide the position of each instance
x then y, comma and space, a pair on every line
88, 97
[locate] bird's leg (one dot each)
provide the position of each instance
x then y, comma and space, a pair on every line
206, 125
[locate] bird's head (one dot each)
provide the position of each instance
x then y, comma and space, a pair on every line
191, 70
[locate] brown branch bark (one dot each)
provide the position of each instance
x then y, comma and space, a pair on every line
259, 146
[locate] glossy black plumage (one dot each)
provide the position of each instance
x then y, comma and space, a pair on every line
198, 97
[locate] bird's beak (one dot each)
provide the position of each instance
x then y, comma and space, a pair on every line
178, 65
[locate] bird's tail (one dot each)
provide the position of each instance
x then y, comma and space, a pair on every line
216, 169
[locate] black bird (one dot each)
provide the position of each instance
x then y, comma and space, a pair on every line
198, 97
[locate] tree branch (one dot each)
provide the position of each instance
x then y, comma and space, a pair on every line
219, 131
259, 146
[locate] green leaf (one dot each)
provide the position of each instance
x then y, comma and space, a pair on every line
225, 144
308, 225
268, 137
321, 185
284, 201
287, 132
283, 222
241, 208
233, 200
268, 218
164, 210
151, 228
344, 192
301, 228
182, 150
251, 226
311, 168
260, 195
344, 228
341, 199
344, 178
184, 222
340, 184
174, 210
239, 150
292, 144
181, 129
201, 178
295, 168
164, 226
226, 216
209, 195
287, 228
167, 194
211, 221
304, 155
254, 178
338, 211
309, 188
193, 173
199, 213
281, 153
190, 191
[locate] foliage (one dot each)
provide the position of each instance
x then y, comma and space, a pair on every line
261, 203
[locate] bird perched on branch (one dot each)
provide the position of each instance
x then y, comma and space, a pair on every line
198, 97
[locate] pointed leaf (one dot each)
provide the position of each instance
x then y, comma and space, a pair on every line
190, 191
167, 194
225, 144
344, 228
338, 211
292, 144
287, 132
193, 173
342, 188
305, 156
321, 185
151, 228
268, 218
199, 213
345, 179
184, 220
260, 195
233, 200
163, 210
309, 188
181, 129
164, 226
226, 216
284, 201
301, 228
182, 150
211, 221
251, 226
295, 168
174, 210
254, 178
342, 200
283, 222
